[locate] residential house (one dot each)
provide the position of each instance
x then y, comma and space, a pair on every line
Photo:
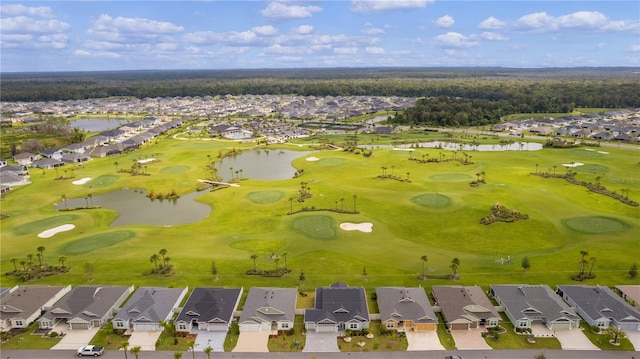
148, 307
528, 304
85, 307
405, 309
25, 158
601, 307
24, 305
465, 307
268, 309
630, 293
209, 309
47, 163
54, 153
338, 307
75, 157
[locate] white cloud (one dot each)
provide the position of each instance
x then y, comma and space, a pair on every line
445, 22
491, 23
374, 50
84, 53
345, 50
266, 30
303, 30
232, 38
492, 36
371, 30
587, 19
26, 24
370, 6
538, 20
580, 20
278, 11
19, 9
106, 23
454, 40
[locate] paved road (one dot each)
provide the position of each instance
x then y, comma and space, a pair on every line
476, 354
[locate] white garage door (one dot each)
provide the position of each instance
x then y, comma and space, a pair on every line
326, 328
250, 327
145, 327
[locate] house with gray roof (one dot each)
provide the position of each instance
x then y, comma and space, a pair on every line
528, 304
601, 307
25, 158
268, 309
47, 163
338, 307
405, 309
209, 309
148, 307
24, 305
85, 307
465, 307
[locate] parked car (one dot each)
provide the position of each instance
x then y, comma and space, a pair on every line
453, 357
90, 350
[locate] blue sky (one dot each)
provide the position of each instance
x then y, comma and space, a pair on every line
131, 35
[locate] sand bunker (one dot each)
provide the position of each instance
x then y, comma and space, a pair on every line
311, 159
82, 181
362, 227
51, 232
575, 164
403, 149
603, 152
146, 160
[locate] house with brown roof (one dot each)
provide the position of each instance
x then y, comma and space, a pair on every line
465, 307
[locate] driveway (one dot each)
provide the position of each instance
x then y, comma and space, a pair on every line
470, 339
321, 342
73, 339
145, 339
634, 337
252, 342
569, 339
212, 339
423, 340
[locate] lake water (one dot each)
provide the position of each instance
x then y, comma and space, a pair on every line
135, 208
268, 165
516, 146
97, 124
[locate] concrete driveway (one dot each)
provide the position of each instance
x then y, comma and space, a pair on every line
74, 339
423, 340
145, 339
252, 342
321, 342
470, 339
212, 339
634, 337
569, 339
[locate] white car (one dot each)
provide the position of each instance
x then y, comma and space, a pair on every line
90, 350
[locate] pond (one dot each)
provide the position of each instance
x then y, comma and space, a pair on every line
97, 124
260, 164
516, 146
135, 208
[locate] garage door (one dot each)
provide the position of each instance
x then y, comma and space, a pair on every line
561, 326
76, 326
145, 327
326, 328
629, 326
459, 326
249, 327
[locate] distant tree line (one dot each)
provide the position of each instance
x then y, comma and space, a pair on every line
509, 90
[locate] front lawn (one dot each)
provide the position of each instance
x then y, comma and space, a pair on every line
511, 340
286, 342
27, 339
382, 340
601, 340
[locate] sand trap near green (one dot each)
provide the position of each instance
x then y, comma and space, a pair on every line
595, 224
431, 200
43, 224
312, 159
53, 231
317, 227
94, 242
362, 227
174, 170
446, 177
265, 196
81, 181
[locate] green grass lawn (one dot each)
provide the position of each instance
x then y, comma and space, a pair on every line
437, 214
602, 339
511, 340
392, 341
287, 342
27, 339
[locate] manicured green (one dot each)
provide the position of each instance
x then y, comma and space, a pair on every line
174, 170
94, 242
43, 224
265, 196
103, 181
595, 224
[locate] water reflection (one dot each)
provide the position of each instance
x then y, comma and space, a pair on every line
262, 164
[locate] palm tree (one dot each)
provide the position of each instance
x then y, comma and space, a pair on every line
136, 351
276, 259
14, 261
41, 251
454, 267
177, 355
86, 201
23, 263
231, 170
341, 204
30, 258
254, 257
593, 261
208, 350
583, 261
191, 344
90, 195
64, 199
124, 346
284, 255
537, 168
163, 253
154, 259
62, 259
616, 334
116, 164
354, 202
423, 259
291, 202
39, 258
241, 170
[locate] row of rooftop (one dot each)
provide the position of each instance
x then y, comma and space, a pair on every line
296, 107
337, 308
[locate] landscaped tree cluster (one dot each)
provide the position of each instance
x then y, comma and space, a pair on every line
499, 213
29, 270
164, 267
276, 272
584, 274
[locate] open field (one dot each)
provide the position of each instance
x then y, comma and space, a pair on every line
437, 214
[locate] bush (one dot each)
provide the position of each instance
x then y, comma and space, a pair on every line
53, 335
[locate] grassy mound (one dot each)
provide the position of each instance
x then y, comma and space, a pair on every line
432, 200
317, 227
102, 181
595, 224
94, 242
265, 196
447, 177
174, 170
43, 224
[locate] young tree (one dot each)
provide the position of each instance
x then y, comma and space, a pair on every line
455, 263
208, 350
125, 346
62, 259
633, 271
525, 264
163, 253
593, 261
15, 267
191, 344
154, 259
423, 259
135, 351
616, 334
302, 277
254, 257
177, 355
214, 270
583, 262
41, 251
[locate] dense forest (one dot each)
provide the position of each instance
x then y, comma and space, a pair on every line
488, 92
